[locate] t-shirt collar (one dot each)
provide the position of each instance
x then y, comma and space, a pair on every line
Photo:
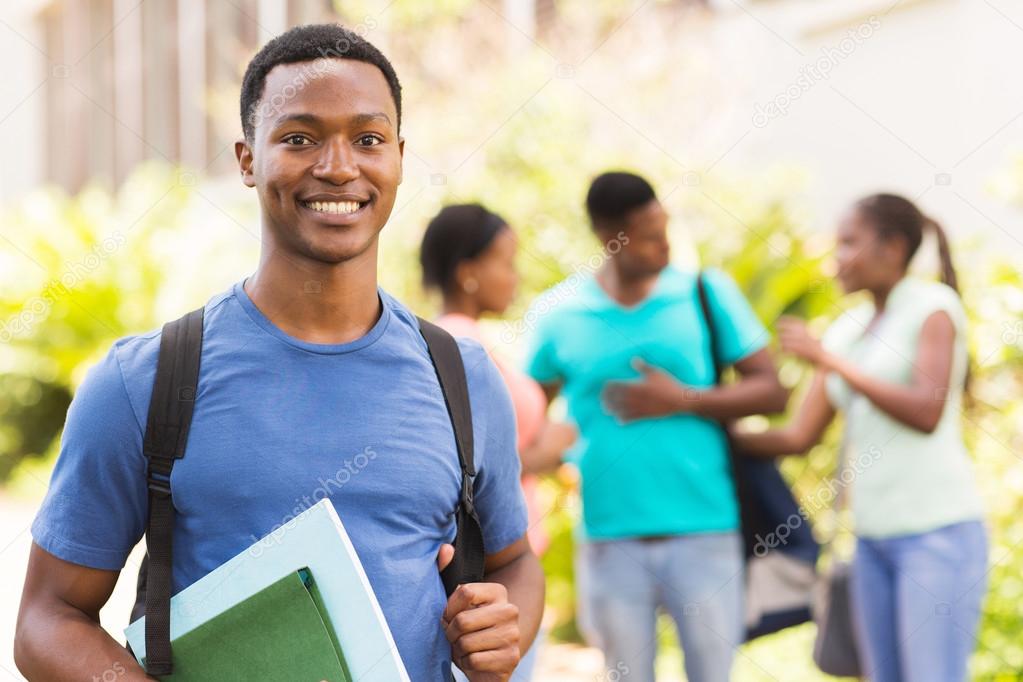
262, 321
597, 298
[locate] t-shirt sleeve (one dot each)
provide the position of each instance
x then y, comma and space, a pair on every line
839, 339
835, 340
740, 332
94, 511
499, 500
541, 351
937, 298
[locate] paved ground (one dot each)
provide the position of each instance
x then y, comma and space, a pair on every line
560, 663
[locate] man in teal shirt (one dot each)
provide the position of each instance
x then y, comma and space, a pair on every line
630, 350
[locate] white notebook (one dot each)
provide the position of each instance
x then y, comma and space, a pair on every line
315, 539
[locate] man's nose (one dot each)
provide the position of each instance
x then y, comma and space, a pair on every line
336, 163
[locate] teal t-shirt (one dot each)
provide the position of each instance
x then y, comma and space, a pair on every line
662, 476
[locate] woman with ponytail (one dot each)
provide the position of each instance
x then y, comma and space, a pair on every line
896, 367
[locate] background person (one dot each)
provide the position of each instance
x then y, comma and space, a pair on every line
629, 348
468, 254
896, 367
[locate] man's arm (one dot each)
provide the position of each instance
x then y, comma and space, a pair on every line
493, 623
59, 636
659, 394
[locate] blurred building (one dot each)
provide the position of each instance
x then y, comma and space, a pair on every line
128, 80
918, 103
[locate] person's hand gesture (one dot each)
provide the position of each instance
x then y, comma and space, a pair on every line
482, 626
657, 394
795, 338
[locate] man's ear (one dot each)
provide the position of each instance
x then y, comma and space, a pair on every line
401, 159
243, 153
607, 233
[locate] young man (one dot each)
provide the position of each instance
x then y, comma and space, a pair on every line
306, 366
630, 351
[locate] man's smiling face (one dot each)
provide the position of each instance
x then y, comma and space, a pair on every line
326, 161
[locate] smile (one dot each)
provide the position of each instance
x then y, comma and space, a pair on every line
334, 207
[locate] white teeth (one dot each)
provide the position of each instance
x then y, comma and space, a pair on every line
333, 206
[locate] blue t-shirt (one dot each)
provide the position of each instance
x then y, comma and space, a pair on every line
278, 425
662, 476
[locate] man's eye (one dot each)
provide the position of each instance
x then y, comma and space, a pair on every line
297, 139
369, 140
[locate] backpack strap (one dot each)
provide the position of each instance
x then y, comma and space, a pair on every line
708, 318
170, 415
169, 419
467, 566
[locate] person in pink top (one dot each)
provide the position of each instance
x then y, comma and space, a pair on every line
468, 255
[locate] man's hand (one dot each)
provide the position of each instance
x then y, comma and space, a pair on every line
657, 394
482, 626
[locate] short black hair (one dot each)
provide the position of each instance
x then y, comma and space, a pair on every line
614, 194
460, 232
305, 44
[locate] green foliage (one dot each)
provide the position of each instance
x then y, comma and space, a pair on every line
782, 270
513, 134
82, 271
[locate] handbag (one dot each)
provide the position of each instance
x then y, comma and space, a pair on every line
835, 649
781, 552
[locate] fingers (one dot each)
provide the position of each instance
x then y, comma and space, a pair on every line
614, 395
620, 400
472, 595
444, 556
792, 333
499, 662
485, 627
641, 366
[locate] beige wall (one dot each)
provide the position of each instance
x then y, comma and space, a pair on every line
927, 105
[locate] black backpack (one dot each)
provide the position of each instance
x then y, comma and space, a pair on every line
170, 415
766, 505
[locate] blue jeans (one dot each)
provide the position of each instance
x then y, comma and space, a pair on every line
697, 579
917, 602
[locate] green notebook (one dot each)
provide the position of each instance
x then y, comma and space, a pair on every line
281, 632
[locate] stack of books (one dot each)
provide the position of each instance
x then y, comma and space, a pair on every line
294, 606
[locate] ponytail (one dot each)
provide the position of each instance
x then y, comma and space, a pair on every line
895, 216
948, 277
948, 271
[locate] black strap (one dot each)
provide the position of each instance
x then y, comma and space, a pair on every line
708, 318
467, 566
170, 415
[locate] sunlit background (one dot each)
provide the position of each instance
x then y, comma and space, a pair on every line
757, 121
